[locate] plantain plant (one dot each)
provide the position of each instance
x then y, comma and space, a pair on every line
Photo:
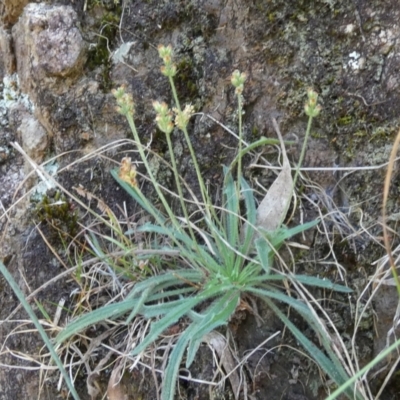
227, 253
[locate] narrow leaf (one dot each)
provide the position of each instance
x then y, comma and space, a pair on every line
175, 314
216, 315
105, 312
333, 369
322, 283
277, 237
232, 209
264, 293
134, 193
247, 232
265, 254
157, 328
174, 362
17, 291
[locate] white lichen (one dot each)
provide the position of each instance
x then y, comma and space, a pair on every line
10, 95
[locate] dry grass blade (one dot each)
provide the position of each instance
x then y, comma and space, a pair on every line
388, 178
273, 208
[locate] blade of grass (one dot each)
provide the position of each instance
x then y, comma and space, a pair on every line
175, 314
174, 362
138, 197
251, 216
43, 311
39, 327
333, 369
265, 254
158, 327
345, 386
105, 312
264, 294
232, 209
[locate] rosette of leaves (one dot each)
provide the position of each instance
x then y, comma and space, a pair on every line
228, 255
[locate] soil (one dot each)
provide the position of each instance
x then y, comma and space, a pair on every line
349, 52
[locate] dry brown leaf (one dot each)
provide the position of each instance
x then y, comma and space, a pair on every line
90, 196
273, 209
92, 385
115, 389
220, 345
92, 382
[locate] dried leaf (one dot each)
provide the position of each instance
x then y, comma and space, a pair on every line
272, 210
90, 196
83, 192
92, 385
219, 344
115, 390
92, 382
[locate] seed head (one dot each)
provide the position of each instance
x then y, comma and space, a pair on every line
127, 171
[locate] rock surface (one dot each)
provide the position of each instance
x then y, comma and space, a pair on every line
47, 45
10, 10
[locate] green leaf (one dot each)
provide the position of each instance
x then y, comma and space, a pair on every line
322, 283
43, 311
332, 368
176, 313
105, 312
277, 237
265, 254
216, 315
157, 310
273, 240
251, 217
163, 294
304, 279
231, 202
264, 294
134, 301
190, 250
139, 304
192, 348
140, 199
174, 362
393, 348
170, 318
17, 291
177, 277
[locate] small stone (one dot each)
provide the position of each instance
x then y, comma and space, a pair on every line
349, 28
361, 63
33, 137
4, 154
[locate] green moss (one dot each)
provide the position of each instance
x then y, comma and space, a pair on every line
318, 135
186, 79
58, 213
255, 131
378, 133
360, 133
109, 5
99, 55
346, 120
